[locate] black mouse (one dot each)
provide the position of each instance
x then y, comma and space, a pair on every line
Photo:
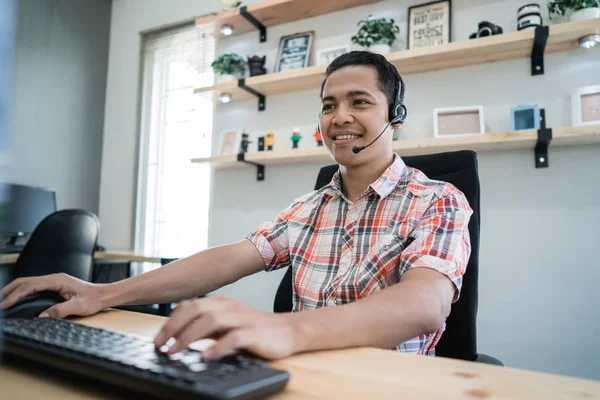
32, 306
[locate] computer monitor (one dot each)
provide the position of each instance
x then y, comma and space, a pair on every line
27, 207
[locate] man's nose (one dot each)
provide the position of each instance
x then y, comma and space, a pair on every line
343, 115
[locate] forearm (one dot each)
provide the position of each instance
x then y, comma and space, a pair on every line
385, 319
189, 277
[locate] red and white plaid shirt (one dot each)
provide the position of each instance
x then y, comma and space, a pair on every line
341, 251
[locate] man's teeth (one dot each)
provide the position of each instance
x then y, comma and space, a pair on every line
344, 137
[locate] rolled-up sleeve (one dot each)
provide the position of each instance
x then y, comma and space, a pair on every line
441, 240
271, 239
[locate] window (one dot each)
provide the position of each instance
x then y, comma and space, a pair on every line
176, 126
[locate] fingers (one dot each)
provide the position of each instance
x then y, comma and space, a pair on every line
23, 287
186, 313
204, 327
61, 310
228, 344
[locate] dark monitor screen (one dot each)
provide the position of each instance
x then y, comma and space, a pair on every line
27, 207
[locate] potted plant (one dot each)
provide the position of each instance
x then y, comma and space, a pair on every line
376, 34
229, 67
581, 9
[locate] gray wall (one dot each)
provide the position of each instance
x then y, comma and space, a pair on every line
539, 260
59, 94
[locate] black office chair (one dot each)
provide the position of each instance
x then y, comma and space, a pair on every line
460, 169
63, 242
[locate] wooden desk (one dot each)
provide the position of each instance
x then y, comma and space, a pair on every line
361, 373
121, 255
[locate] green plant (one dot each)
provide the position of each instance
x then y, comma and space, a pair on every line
375, 31
229, 63
561, 6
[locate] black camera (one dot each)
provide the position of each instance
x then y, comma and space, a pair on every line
486, 28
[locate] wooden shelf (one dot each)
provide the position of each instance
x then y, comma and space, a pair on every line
507, 46
568, 136
276, 12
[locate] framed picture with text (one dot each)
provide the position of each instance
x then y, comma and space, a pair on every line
294, 51
326, 56
429, 24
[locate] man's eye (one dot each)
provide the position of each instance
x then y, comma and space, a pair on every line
359, 102
327, 107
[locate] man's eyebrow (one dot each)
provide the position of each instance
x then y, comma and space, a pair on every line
352, 93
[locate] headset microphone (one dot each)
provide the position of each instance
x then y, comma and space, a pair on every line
358, 149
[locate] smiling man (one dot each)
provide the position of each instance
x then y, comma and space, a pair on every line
377, 255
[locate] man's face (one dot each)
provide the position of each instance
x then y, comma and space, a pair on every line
353, 112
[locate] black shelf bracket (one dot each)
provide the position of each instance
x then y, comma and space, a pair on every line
261, 97
544, 136
537, 52
262, 29
260, 168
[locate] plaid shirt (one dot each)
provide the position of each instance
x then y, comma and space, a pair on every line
342, 251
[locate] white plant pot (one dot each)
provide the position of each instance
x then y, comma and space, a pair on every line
586, 13
226, 78
382, 49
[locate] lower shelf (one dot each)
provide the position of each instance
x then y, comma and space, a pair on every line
567, 136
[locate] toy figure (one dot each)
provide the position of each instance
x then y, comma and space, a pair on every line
296, 137
318, 138
245, 143
269, 141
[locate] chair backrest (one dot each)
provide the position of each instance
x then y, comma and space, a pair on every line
460, 169
63, 242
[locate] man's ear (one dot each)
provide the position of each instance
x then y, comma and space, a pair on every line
398, 126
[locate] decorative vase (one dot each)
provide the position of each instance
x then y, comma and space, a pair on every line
586, 13
381, 48
223, 78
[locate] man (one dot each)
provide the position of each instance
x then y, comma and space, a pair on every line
378, 254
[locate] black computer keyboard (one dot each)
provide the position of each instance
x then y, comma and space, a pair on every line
131, 361
11, 249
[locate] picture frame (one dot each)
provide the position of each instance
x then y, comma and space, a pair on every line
525, 116
458, 121
294, 51
585, 106
326, 56
230, 143
429, 24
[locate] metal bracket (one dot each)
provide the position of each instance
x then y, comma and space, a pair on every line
537, 52
263, 29
261, 97
543, 140
260, 169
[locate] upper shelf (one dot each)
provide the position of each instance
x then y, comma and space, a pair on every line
275, 12
568, 136
508, 46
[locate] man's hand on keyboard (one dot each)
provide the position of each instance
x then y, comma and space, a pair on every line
234, 325
81, 298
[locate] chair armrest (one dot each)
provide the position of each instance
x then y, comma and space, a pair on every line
485, 359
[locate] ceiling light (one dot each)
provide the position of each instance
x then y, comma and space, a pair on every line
589, 41
227, 30
225, 97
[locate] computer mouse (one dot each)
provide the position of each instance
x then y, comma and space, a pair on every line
32, 306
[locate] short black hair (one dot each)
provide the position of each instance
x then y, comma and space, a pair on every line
388, 78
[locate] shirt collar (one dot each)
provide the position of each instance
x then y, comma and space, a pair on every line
383, 186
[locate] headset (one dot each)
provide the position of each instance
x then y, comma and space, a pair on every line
397, 115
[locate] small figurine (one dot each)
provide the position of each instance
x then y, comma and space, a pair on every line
257, 65
245, 143
269, 141
296, 137
318, 138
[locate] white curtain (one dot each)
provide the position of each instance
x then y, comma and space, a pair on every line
176, 126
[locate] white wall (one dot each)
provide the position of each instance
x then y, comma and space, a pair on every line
538, 298
58, 106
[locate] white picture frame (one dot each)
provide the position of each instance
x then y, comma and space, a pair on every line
585, 106
458, 121
229, 143
326, 56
